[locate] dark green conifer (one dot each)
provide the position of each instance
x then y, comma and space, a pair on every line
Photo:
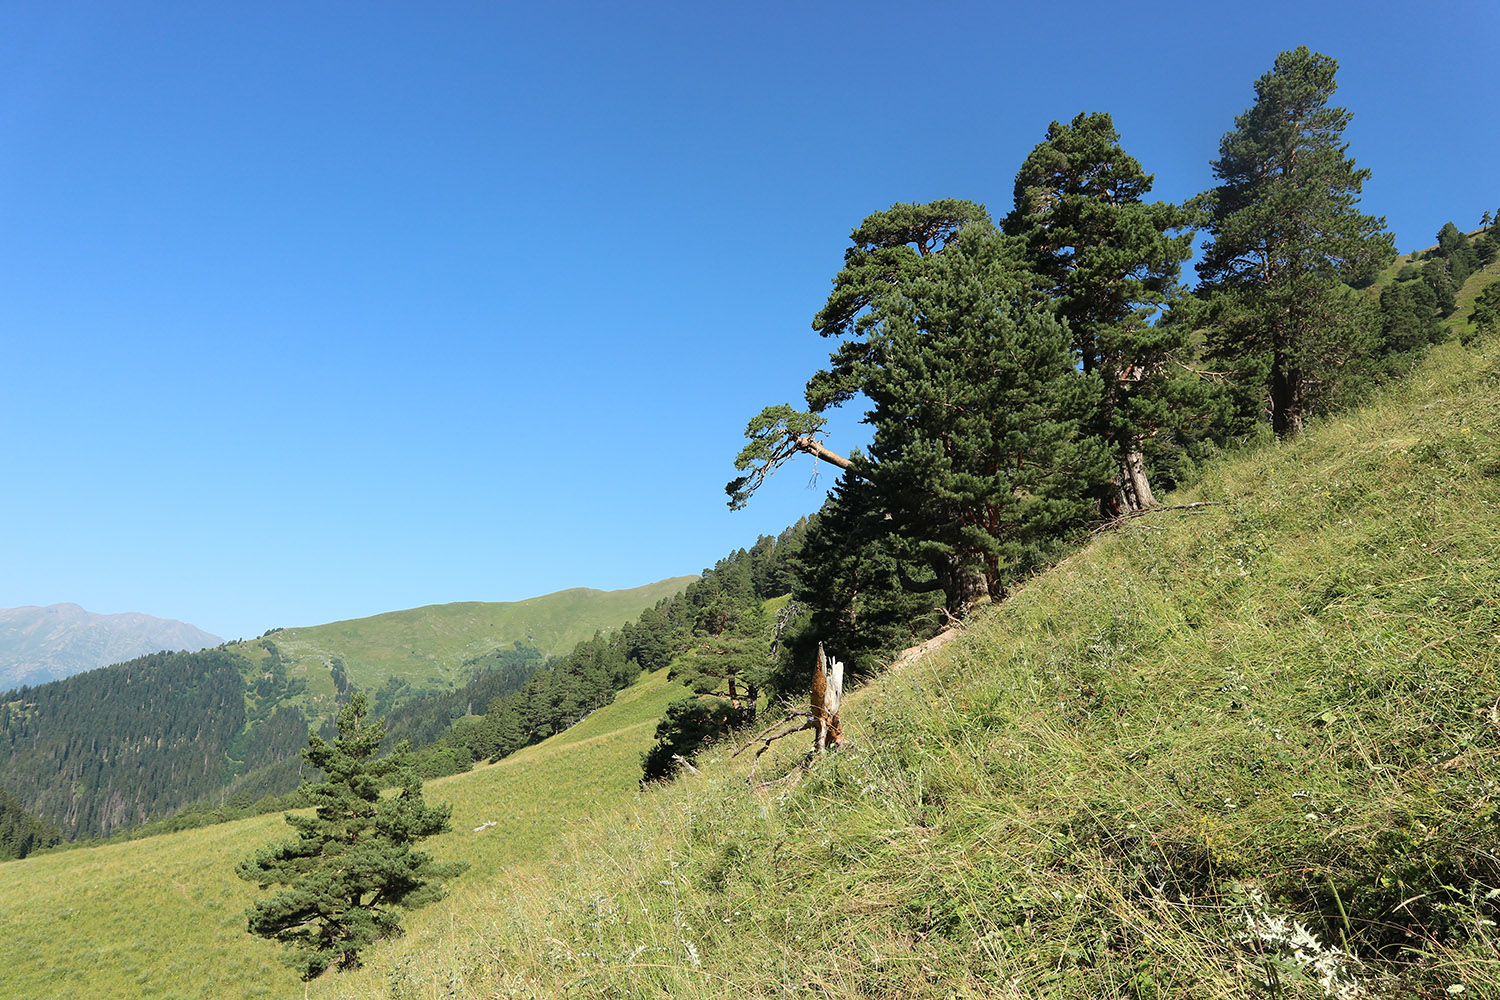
1454, 247
983, 458
984, 452
1486, 315
686, 727
1408, 317
21, 832
1112, 261
1286, 237
1439, 277
849, 578
732, 662
891, 249
353, 861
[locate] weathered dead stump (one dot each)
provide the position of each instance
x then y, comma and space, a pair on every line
822, 716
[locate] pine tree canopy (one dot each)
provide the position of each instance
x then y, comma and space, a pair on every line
1284, 229
1110, 261
849, 578
352, 861
890, 249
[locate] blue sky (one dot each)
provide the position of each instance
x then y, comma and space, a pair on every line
311, 311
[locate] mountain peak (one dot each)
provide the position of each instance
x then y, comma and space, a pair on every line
40, 644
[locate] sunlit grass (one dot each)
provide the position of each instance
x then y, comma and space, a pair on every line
1275, 713
1136, 778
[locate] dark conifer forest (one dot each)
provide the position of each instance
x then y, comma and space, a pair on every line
105, 750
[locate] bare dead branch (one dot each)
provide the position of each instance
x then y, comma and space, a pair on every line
806, 724
813, 447
1115, 522
822, 716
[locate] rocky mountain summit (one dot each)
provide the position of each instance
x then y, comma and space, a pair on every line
46, 644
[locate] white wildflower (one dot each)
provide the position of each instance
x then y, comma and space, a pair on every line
1332, 967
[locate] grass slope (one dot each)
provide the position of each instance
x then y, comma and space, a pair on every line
1188, 762
427, 646
1191, 761
1463, 315
163, 917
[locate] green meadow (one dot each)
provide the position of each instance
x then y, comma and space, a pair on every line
163, 917
427, 646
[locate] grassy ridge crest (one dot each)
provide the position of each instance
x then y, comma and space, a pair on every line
427, 646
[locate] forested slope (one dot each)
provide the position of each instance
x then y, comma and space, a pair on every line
104, 750
221, 731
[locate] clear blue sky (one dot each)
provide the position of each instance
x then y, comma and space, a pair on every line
314, 310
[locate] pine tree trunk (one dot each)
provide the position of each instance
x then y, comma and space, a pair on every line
1134, 488
964, 585
1286, 398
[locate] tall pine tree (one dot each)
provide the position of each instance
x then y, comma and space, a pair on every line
890, 250
1112, 261
1286, 236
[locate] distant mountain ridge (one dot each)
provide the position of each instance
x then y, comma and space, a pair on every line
40, 644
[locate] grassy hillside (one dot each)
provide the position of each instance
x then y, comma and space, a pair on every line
1457, 323
1192, 761
427, 646
1247, 750
163, 917
1466, 295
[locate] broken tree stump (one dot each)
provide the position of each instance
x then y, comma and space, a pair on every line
822, 716
827, 693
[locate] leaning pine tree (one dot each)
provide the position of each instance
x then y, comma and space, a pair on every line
352, 861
